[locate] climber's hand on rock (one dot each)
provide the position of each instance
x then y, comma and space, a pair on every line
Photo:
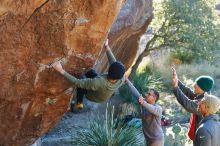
58, 67
106, 45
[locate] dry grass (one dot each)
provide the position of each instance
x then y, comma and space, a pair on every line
187, 73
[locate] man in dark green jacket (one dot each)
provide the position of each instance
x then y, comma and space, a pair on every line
96, 88
189, 99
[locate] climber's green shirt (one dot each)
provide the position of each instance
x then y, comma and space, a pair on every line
99, 88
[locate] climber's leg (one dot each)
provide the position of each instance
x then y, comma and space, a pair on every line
82, 92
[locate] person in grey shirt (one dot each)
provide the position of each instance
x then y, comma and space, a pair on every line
208, 132
150, 114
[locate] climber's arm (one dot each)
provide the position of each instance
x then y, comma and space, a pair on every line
110, 55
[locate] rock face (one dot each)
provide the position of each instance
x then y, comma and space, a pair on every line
131, 23
35, 33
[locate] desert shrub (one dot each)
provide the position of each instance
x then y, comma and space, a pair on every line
185, 56
108, 132
161, 66
143, 80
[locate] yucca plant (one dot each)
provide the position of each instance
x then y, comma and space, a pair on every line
108, 132
143, 80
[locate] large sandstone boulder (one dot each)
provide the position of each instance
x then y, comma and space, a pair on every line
131, 23
35, 33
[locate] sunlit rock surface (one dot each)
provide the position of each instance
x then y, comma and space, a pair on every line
35, 33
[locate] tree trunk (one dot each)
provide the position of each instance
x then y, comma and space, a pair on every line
146, 52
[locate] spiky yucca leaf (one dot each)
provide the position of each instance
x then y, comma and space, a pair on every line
108, 132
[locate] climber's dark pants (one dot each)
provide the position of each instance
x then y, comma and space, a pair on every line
82, 92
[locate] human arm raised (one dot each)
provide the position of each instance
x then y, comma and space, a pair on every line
189, 104
110, 55
156, 110
177, 83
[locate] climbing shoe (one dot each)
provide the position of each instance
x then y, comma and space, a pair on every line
79, 106
76, 106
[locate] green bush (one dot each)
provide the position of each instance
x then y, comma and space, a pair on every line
146, 80
143, 81
185, 56
108, 132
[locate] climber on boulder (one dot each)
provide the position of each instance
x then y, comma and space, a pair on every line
96, 87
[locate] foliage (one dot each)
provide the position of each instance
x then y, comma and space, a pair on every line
185, 56
177, 136
185, 25
218, 113
176, 129
189, 25
108, 132
143, 80
187, 73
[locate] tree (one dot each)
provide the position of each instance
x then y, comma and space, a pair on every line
188, 25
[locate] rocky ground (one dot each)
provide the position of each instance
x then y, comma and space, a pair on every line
62, 133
